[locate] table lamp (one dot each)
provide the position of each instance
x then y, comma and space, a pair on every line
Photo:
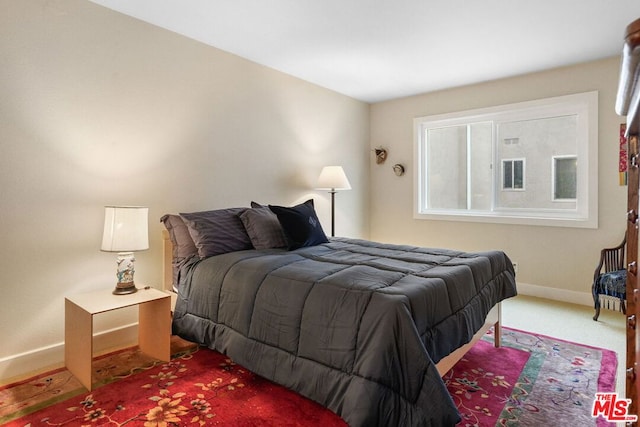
126, 230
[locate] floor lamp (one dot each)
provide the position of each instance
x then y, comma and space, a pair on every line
333, 178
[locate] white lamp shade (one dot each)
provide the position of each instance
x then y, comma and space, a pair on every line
333, 178
126, 229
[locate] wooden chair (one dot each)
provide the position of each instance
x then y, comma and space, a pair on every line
610, 277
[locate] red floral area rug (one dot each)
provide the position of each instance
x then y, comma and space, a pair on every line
196, 389
532, 380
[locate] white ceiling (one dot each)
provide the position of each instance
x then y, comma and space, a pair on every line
375, 50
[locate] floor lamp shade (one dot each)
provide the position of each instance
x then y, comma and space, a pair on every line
333, 178
126, 230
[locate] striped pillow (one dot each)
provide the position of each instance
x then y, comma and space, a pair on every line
263, 228
218, 231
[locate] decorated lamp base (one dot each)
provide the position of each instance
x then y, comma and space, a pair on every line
125, 288
125, 262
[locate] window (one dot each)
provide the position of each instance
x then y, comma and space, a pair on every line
565, 169
513, 174
527, 163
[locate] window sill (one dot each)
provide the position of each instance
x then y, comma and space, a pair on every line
529, 218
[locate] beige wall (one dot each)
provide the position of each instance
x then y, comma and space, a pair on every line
553, 262
97, 108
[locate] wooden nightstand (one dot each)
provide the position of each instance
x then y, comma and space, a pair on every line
154, 326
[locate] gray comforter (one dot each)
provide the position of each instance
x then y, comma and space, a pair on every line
354, 325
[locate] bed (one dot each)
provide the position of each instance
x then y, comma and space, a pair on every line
366, 329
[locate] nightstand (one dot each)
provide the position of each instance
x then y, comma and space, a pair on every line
154, 326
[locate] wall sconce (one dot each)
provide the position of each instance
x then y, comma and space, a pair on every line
381, 155
126, 230
398, 169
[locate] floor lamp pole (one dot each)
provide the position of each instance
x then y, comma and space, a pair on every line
333, 212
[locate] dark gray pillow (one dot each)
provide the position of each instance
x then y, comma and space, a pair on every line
183, 246
300, 224
218, 231
263, 228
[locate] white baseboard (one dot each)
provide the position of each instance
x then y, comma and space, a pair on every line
52, 356
564, 295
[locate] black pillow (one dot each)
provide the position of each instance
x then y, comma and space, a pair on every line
300, 224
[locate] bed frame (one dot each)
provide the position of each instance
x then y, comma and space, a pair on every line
493, 319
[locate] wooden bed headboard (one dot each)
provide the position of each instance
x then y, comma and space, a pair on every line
167, 257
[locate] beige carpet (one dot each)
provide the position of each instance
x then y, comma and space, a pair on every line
571, 322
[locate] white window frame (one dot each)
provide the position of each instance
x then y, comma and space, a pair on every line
524, 174
583, 105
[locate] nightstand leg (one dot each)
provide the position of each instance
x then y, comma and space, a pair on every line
154, 328
78, 342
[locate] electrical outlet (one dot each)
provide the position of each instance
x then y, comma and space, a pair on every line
515, 267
